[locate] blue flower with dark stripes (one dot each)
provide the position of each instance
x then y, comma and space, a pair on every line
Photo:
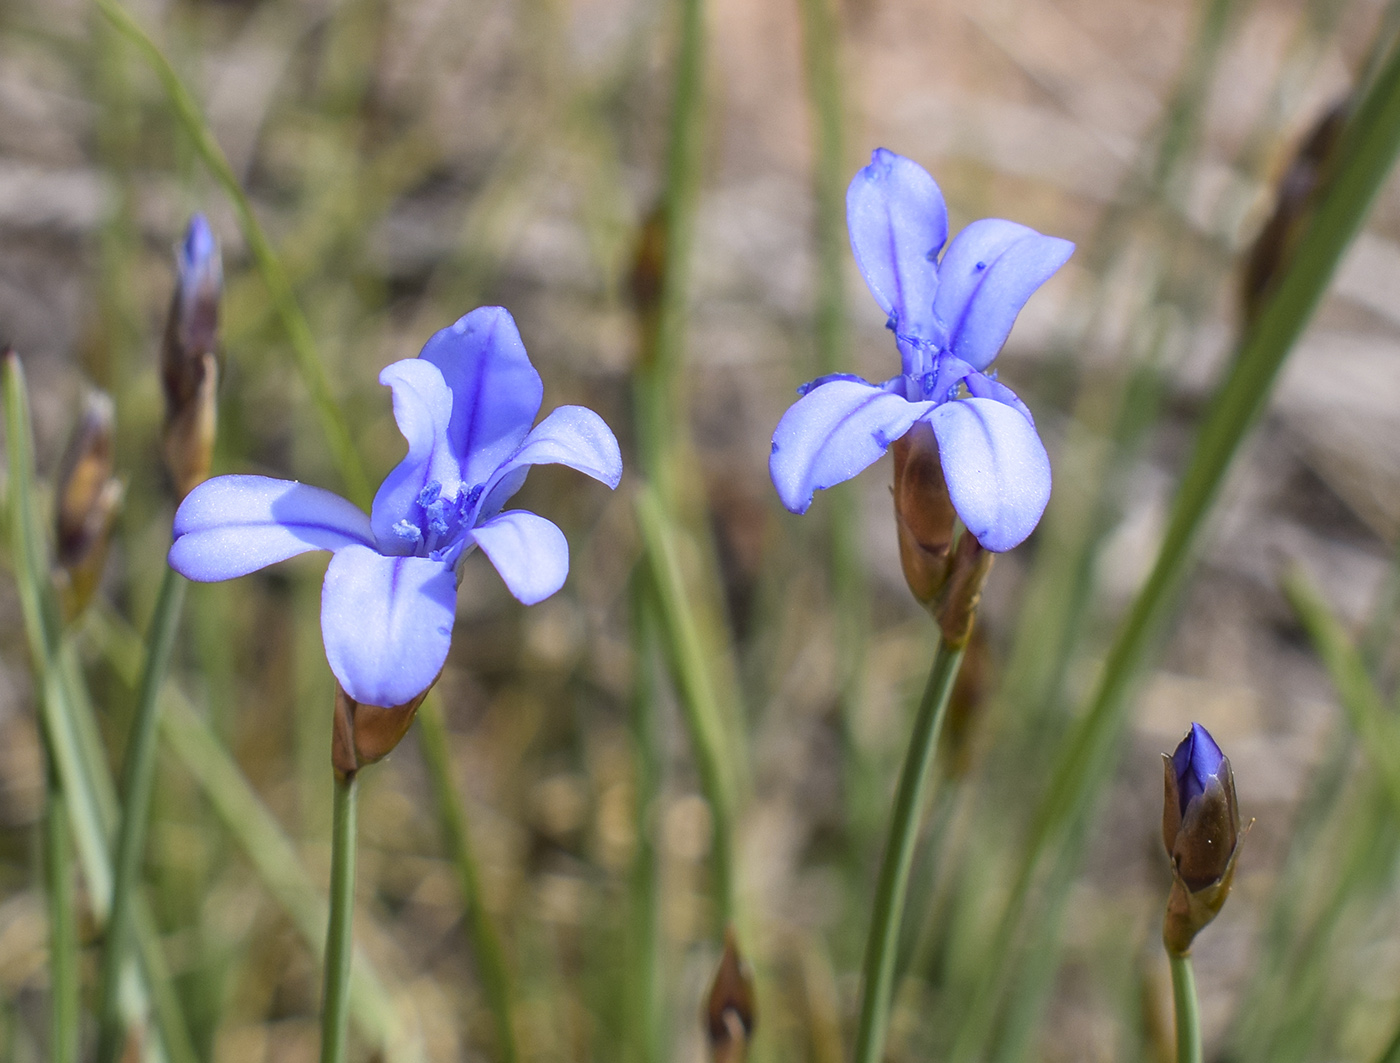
950, 317
466, 406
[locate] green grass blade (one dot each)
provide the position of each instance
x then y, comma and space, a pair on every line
704, 717
138, 779
486, 940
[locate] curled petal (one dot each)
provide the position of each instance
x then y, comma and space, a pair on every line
997, 470
574, 436
898, 223
422, 408
386, 623
571, 435
496, 392
232, 525
992, 267
529, 552
833, 432
984, 387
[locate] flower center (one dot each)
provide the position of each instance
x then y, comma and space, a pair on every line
436, 525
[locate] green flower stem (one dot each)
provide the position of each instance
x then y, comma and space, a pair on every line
1188, 1017
1085, 761
64, 1015
138, 777
882, 944
335, 1000
490, 955
308, 360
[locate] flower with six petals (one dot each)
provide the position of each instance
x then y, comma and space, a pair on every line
466, 406
950, 317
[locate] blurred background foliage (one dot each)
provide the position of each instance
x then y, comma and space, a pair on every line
413, 159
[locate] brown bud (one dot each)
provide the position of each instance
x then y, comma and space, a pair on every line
648, 279
1297, 193
362, 734
189, 359
731, 1013
971, 565
923, 513
88, 498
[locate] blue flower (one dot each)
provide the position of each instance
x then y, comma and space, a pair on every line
1196, 764
466, 406
950, 317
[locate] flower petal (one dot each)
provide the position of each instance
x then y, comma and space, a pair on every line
529, 552
422, 408
992, 267
232, 525
997, 470
571, 435
833, 432
898, 222
984, 387
386, 623
496, 392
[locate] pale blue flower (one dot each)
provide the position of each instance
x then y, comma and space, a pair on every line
466, 406
950, 318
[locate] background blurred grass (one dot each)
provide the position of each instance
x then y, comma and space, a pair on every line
415, 159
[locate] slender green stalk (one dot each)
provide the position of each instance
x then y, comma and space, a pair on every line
1188, 1018
490, 955
64, 1014
1365, 158
304, 352
883, 943
700, 707
138, 777
335, 1000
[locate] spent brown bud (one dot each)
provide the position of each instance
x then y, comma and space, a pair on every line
923, 513
362, 734
1297, 193
730, 1012
88, 498
190, 358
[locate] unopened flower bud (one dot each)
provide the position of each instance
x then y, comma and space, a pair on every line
189, 359
730, 1012
923, 513
362, 734
88, 497
1201, 831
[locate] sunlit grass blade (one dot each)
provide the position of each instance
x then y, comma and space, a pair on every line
1083, 765
64, 1007
68, 725
138, 776
486, 940
308, 360
1375, 726
714, 751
